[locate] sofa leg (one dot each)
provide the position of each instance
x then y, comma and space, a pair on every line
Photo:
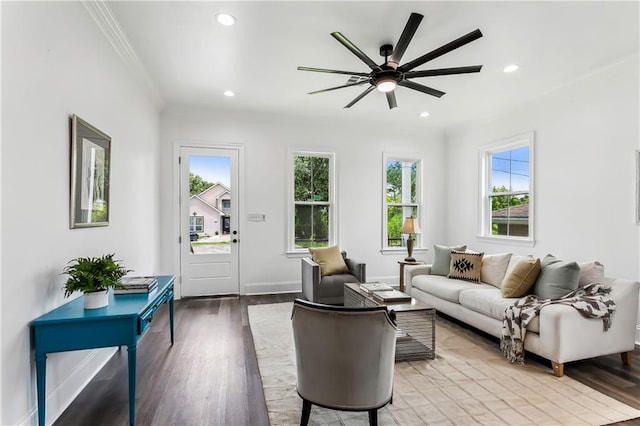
558, 369
626, 357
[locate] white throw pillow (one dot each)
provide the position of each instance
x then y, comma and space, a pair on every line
494, 268
590, 272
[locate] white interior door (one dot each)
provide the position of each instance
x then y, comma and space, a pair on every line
208, 221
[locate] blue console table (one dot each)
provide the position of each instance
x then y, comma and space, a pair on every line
70, 327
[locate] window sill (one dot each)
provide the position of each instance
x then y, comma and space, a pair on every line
512, 241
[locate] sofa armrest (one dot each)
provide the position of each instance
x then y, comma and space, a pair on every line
565, 335
411, 271
310, 278
357, 269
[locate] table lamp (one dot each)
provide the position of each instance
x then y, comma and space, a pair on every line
410, 226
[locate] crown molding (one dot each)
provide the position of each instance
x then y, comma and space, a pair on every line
105, 20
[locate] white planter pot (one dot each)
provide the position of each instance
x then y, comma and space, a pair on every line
95, 300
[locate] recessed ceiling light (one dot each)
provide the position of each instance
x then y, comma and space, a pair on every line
510, 68
424, 114
229, 93
225, 19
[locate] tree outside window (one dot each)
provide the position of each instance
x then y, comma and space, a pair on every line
402, 198
312, 202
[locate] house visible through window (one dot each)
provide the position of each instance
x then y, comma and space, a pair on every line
507, 199
402, 198
196, 223
312, 216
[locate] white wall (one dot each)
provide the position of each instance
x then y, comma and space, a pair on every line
268, 139
586, 134
56, 62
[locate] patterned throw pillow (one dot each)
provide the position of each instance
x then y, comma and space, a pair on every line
465, 266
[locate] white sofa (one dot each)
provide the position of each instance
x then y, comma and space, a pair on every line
560, 333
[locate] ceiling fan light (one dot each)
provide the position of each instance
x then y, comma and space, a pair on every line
386, 85
225, 19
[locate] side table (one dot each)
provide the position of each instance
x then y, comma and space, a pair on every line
402, 264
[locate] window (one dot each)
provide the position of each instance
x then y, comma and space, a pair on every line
196, 223
507, 201
402, 198
226, 204
312, 217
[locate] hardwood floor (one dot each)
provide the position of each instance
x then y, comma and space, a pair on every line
210, 376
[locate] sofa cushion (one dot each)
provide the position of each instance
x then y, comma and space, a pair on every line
590, 272
465, 266
487, 300
442, 287
494, 268
442, 258
521, 278
330, 260
556, 278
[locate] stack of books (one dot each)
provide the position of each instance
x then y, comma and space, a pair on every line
133, 285
391, 296
371, 287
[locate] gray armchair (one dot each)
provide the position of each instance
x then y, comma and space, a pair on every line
344, 357
329, 289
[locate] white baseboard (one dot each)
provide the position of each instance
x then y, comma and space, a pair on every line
60, 397
272, 287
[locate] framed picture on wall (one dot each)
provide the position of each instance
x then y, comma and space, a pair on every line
90, 161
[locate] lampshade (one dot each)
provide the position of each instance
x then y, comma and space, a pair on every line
410, 226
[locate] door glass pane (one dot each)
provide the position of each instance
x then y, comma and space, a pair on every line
210, 195
311, 226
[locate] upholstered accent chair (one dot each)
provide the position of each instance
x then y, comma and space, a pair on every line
344, 357
329, 288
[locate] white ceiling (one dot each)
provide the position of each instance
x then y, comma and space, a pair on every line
192, 60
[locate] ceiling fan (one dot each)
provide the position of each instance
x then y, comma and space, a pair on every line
387, 76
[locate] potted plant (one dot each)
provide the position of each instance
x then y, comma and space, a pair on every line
93, 276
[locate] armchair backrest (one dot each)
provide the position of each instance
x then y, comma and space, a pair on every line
344, 356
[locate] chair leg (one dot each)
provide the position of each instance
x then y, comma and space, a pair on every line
306, 412
373, 417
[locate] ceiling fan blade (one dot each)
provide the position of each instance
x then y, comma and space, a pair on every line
354, 49
391, 99
421, 88
360, 96
443, 71
361, 74
339, 87
405, 38
465, 39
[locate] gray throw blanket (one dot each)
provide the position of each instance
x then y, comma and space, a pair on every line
592, 301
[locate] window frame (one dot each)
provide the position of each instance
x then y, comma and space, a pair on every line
332, 202
194, 227
419, 204
484, 157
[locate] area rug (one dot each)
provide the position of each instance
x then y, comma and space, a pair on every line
468, 383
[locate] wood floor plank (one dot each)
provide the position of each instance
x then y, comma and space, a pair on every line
210, 375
